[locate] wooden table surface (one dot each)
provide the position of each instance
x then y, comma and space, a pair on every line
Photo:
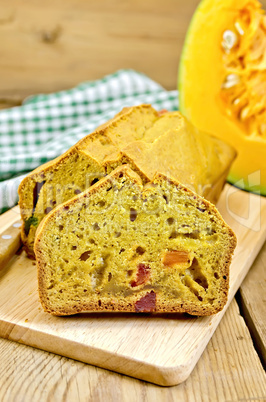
230, 369
56, 33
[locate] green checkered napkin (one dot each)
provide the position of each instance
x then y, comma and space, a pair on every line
45, 126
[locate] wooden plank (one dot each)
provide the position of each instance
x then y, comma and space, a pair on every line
229, 370
56, 44
10, 242
53, 45
10, 239
253, 302
161, 349
9, 217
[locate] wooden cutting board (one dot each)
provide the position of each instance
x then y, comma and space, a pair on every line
158, 348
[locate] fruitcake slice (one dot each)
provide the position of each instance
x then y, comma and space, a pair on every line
82, 165
196, 159
125, 246
139, 136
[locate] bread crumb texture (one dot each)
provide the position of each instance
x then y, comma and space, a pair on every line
149, 142
122, 245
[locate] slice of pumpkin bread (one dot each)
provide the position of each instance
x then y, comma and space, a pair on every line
82, 165
138, 136
196, 159
125, 246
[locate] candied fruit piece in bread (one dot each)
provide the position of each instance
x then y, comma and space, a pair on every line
138, 136
123, 245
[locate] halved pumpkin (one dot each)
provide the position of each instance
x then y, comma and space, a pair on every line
222, 82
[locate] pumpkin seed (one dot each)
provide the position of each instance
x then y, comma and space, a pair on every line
244, 112
239, 28
229, 39
230, 81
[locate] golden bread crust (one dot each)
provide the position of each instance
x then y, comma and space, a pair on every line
73, 284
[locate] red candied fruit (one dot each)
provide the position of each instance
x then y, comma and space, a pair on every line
147, 303
143, 275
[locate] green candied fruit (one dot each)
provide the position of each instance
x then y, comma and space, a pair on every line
32, 221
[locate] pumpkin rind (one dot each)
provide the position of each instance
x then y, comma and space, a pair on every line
201, 76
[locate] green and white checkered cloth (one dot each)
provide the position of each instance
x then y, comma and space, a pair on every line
45, 126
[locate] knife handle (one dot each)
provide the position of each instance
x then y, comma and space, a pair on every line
10, 242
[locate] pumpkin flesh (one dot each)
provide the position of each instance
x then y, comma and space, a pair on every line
222, 82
